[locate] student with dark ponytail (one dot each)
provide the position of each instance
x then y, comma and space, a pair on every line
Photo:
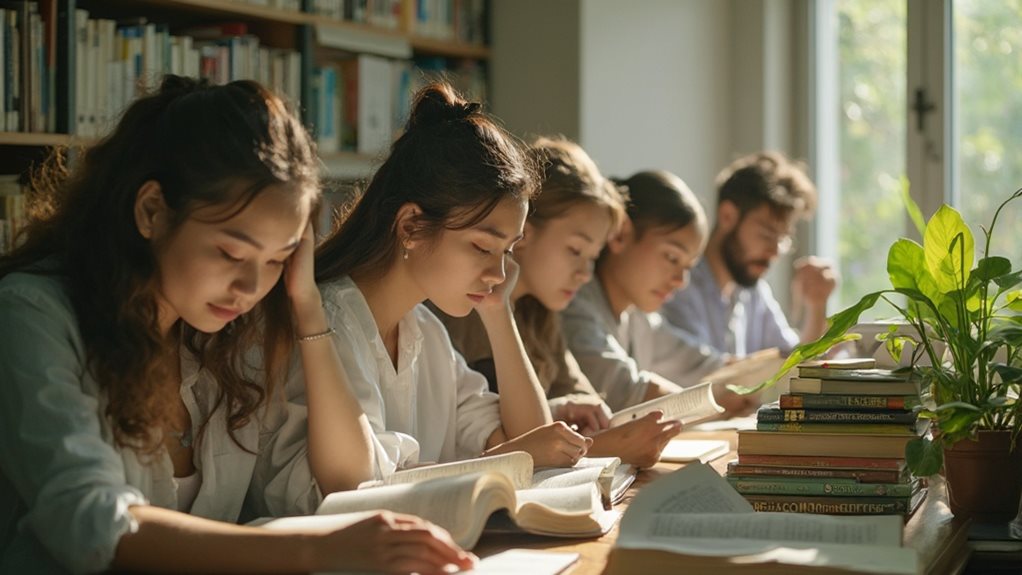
438, 222
145, 328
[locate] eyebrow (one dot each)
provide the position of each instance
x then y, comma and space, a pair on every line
678, 245
490, 230
242, 236
584, 236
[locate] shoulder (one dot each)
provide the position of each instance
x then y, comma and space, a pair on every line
24, 293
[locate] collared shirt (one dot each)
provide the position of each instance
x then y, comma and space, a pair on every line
618, 353
65, 487
432, 408
748, 321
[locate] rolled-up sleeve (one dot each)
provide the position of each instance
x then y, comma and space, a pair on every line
478, 414
70, 480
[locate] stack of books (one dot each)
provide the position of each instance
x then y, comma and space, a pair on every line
835, 444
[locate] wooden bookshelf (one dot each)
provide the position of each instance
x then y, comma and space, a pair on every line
34, 139
435, 47
349, 165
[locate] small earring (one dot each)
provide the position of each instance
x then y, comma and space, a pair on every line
404, 254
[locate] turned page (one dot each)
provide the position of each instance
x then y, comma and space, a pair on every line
748, 371
516, 466
689, 406
694, 511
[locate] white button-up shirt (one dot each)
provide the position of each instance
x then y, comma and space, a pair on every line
65, 487
432, 408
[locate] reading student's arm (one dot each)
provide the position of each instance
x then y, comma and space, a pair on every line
339, 434
52, 452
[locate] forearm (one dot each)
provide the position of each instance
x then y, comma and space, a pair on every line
172, 542
659, 386
339, 435
814, 322
523, 404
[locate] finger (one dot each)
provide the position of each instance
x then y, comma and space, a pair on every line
602, 421
433, 543
592, 422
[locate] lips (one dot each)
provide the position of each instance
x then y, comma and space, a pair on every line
477, 298
225, 313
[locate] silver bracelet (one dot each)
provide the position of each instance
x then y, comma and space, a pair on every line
316, 336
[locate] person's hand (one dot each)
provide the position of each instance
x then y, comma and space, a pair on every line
588, 418
814, 280
550, 445
393, 543
638, 442
499, 300
300, 280
735, 405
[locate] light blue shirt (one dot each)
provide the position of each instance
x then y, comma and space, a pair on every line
748, 321
618, 354
65, 486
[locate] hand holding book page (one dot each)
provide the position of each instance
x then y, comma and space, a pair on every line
689, 406
695, 513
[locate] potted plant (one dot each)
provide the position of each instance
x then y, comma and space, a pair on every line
964, 318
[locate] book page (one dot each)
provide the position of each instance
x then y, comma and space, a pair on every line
518, 561
693, 511
688, 406
702, 450
516, 466
750, 370
583, 498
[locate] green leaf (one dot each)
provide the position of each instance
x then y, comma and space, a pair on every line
895, 346
958, 418
837, 332
924, 457
1008, 373
911, 207
1014, 300
949, 248
905, 261
1009, 281
992, 267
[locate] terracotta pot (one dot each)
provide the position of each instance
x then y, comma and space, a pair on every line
984, 478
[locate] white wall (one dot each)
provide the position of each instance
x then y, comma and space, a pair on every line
656, 87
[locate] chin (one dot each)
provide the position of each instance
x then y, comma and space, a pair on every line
455, 310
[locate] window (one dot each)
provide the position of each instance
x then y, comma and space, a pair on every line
929, 90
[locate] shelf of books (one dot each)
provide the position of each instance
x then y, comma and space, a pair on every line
834, 444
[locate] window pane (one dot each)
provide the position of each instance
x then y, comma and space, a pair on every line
871, 72
987, 127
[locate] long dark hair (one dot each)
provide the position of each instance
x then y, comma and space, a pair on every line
454, 161
202, 144
658, 199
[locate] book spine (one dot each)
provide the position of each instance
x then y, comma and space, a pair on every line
863, 475
783, 486
773, 415
871, 428
821, 461
829, 505
847, 402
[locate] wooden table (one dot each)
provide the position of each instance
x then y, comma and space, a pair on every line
939, 539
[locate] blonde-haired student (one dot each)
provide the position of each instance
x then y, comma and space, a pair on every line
575, 212
437, 222
136, 428
622, 345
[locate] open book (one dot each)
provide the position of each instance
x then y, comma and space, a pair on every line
693, 519
750, 370
607, 473
462, 504
688, 406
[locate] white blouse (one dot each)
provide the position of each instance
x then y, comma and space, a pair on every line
618, 354
65, 487
432, 408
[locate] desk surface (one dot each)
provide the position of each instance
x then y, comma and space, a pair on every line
939, 539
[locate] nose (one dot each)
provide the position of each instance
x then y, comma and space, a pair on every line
680, 279
494, 274
246, 282
584, 272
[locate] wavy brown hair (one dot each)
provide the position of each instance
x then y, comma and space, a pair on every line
569, 178
453, 160
206, 146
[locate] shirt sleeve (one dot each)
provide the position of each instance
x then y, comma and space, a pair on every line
771, 323
393, 450
676, 354
612, 372
688, 313
52, 450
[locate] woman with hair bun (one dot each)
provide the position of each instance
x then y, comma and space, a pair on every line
438, 222
137, 421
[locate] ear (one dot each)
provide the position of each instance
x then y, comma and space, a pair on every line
728, 216
406, 224
622, 238
150, 210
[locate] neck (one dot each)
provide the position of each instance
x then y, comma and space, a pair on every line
520, 290
390, 297
616, 296
166, 317
714, 255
